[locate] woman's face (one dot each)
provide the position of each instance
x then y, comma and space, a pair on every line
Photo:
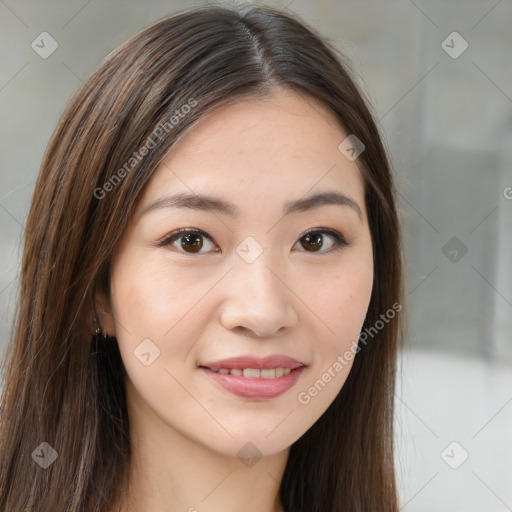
264, 278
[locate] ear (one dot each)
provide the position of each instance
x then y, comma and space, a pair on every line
104, 315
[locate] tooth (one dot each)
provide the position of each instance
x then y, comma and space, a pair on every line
251, 373
237, 372
268, 373
224, 370
279, 372
287, 371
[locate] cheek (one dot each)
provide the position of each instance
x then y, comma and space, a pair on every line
149, 297
153, 305
138, 299
160, 302
342, 307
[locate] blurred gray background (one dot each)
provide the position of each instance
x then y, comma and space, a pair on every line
439, 77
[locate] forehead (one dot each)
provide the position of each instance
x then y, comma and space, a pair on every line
282, 145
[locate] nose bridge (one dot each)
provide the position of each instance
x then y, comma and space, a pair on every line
253, 262
259, 277
258, 298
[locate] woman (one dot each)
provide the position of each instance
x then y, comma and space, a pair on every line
210, 284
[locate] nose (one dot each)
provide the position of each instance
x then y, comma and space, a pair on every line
258, 298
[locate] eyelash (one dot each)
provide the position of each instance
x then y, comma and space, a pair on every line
339, 239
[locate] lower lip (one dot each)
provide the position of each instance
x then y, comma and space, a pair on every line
255, 389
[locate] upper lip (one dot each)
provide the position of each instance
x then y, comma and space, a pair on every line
277, 361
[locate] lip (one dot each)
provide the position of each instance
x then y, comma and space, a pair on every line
260, 363
255, 389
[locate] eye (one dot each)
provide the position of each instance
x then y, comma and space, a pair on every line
186, 239
191, 241
313, 240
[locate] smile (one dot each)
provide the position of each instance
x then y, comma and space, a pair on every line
255, 373
255, 384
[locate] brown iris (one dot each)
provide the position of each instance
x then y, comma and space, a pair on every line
193, 240
312, 240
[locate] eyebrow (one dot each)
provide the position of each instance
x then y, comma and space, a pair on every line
205, 202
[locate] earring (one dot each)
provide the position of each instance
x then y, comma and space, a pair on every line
99, 332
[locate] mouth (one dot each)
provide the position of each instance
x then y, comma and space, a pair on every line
253, 373
253, 378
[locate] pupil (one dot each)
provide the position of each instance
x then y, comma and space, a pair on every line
197, 245
311, 240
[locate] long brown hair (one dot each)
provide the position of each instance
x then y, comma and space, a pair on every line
63, 388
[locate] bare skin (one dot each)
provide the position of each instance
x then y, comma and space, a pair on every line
301, 297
